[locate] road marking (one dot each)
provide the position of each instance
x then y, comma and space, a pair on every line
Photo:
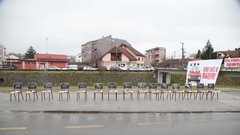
13, 128
152, 123
85, 126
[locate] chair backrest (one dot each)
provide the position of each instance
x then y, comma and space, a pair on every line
64, 86
153, 85
164, 86
17, 86
142, 85
48, 86
200, 86
188, 86
82, 85
127, 85
176, 86
211, 86
112, 85
32, 86
98, 86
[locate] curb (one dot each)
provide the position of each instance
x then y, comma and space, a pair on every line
125, 112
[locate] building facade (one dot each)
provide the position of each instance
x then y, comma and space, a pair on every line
229, 53
123, 56
3, 55
92, 51
42, 61
155, 56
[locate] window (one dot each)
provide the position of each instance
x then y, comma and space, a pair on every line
138, 58
116, 57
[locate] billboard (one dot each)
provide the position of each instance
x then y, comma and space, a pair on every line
232, 62
203, 71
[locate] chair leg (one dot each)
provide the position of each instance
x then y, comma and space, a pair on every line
37, 95
102, 96
108, 96
94, 96
116, 96
217, 95
124, 96
52, 95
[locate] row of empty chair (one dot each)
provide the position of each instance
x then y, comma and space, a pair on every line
147, 90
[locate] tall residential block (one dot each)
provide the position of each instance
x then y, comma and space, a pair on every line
3, 55
155, 56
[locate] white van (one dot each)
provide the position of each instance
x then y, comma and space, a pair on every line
70, 67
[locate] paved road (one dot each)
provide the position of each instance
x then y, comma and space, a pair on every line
23, 123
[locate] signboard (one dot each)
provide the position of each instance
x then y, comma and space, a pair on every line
232, 62
203, 71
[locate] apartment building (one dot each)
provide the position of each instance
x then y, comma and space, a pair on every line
155, 56
3, 55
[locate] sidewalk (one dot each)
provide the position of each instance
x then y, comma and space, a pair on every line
228, 102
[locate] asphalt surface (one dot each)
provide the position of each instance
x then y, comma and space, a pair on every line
216, 117
228, 102
117, 123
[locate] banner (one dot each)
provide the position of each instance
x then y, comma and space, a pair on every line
203, 71
232, 62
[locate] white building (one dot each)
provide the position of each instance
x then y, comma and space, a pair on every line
3, 55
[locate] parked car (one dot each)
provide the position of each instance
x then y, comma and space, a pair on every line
70, 67
53, 68
89, 68
80, 67
102, 68
7, 67
115, 68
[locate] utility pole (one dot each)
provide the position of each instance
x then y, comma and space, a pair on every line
182, 55
116, 50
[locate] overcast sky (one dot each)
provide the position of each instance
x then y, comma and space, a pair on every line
144, 23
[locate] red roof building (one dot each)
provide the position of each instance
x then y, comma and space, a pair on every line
42, 61
122, 56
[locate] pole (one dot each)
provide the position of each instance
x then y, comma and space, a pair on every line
116, 50
46, 66
182, 55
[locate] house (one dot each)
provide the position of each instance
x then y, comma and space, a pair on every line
155, 56
176, 63
93, 50
230, 53
42, 61
123, 56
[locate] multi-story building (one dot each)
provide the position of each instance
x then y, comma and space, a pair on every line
92, 51
3, 55
155, 56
